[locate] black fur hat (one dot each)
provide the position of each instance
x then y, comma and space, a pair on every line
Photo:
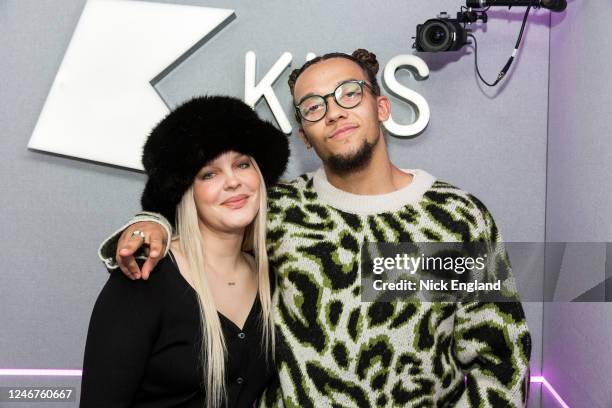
195, 133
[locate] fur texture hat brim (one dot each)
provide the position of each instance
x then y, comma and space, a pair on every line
195, 133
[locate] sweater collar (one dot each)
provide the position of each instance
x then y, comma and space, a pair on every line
372, 204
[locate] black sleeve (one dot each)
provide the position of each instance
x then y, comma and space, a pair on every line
123, 328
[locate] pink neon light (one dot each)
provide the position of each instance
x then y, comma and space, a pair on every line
542, 380
77, 373
38, 372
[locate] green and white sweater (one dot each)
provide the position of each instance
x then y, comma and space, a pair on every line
333, 350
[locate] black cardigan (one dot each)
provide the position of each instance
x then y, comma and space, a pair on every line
143, 346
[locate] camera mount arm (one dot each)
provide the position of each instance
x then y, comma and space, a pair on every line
552, 5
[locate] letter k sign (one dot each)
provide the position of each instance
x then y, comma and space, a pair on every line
102, 104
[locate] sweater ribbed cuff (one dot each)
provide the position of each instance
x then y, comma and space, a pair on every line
108, 249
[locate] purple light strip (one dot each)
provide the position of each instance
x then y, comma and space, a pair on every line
542, 380
39, 372
77, 373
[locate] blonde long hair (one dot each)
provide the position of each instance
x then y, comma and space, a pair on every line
213, 343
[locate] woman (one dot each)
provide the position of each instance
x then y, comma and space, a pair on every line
200, 331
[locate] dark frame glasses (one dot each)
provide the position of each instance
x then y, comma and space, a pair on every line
347, 95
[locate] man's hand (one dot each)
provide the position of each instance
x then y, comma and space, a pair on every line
154, 243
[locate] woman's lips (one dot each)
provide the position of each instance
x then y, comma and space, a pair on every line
236, 202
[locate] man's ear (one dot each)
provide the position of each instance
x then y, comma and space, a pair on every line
384, 108
304, 137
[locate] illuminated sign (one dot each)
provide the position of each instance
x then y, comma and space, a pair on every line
103, 102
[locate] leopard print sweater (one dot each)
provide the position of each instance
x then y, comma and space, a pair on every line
333, 350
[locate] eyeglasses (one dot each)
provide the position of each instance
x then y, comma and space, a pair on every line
347, 95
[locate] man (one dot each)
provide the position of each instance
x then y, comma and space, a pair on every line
332, 348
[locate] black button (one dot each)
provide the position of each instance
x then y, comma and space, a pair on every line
239, 380
241, 336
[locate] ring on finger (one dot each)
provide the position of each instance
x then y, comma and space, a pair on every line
138, 233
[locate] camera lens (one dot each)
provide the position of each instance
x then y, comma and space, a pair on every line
435, 36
